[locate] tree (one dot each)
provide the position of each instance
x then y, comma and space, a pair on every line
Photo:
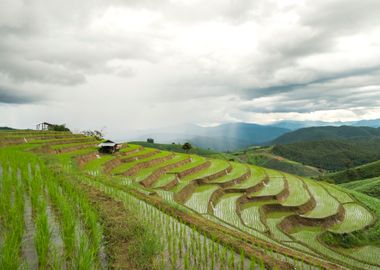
94, 133
187, 147
58, 128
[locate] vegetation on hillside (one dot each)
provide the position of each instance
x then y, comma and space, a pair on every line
263, 156
331, 155
196, 212
370, 186
6, 128
328, 133
58, 128
369, 236
194, 150
365, 171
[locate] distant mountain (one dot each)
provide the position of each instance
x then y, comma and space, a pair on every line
293, 125
220, 143
225, 137
324, 133
6, 128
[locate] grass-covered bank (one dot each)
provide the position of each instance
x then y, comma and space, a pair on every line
131, 241
368, 236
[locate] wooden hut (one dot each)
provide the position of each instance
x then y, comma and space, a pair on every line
44, 126
109, 147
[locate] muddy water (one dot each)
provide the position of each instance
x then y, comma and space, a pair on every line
29, 252
57, 243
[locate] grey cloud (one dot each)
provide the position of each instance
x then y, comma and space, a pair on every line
45, 45
12, 96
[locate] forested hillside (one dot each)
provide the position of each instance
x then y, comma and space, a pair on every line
332, 133
332, 154
365, 171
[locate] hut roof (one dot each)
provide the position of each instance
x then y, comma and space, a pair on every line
107, 143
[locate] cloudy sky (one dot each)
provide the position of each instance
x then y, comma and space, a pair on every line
139, 64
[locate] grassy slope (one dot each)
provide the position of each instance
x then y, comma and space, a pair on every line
323, 133
365, 171
370, 186
331, 154
370, 236
266, 158
195, 150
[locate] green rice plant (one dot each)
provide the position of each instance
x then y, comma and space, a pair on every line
337, 192
257, 175
326, 205
85, 256
273, 187
231, 260
251, 216
242, 259
42, 236
67, 219
298, 194
199, 200
125, 166
238, 170
11, 214
252, 265
356, 218
215, 167
144, 173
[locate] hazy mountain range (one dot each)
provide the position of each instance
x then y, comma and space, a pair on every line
233, 136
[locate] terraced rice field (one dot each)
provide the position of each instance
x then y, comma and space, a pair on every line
209, 213
274, 187
326, 205
298, 194
200, 198
251, 216
356, 218
238, 170
257, 175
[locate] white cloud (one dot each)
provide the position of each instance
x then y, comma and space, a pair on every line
139, 64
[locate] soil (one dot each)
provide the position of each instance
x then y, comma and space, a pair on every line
115, 221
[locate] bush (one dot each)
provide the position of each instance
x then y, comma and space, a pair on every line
58, 128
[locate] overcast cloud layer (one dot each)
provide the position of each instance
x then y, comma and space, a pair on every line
142, 64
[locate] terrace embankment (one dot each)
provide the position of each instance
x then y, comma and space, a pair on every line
186, 172
117, 225
149, 181
120, 159
111, 164
146, 164
142, 156
130, 151
82, 160
237, 240
234, 181
47, 149
184, 194
291, 223
282, 195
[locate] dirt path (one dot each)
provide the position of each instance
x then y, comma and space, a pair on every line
115, 220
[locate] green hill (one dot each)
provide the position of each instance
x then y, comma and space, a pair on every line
328, 133
370, 186
194, 150
365, 171
178, 209
263, 156
331, 154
